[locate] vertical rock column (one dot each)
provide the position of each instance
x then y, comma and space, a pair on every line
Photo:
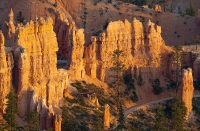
106, 122
57, 122
10, 25
5, 74
186, 90
76, 68
23, 69
196, 67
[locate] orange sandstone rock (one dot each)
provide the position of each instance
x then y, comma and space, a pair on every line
186, 89
106, 117
37, 70
57, 122
5, 73
157, 8
143, 46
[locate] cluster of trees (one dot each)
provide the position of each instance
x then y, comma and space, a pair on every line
156, 88
136, 2
190, 10
32, 117
176, 118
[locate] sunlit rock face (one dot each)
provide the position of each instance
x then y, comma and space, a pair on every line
6, 65
142, 46
36, 65
157, 8
106, 122
57, 122
187, 89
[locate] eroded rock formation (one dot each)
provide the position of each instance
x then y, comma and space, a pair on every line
35, 55
6, 65
187, 88
93, 99
157, 8
10, 25
106, 122
143, 47
57, 122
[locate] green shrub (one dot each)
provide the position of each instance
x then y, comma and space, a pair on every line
190, 10
157, 89
140, 79
20, 18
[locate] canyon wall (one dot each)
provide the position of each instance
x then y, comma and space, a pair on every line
40, 84
143, 47
36, 64
6, 65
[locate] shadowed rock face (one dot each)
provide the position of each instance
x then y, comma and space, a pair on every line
187, 89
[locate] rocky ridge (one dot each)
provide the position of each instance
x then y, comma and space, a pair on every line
40, 85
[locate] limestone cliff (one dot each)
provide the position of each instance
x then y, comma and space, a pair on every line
63, 29
186, 89
5, 72
143, 47
35, 55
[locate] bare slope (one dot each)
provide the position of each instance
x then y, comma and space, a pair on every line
176, 29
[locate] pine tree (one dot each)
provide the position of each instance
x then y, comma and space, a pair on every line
160, 120
68, 121
190, 10
11, 110
117, 69
98, 125
140, 79
20, 18
32, 119
157, 89
178, 114
196, 41
177, 63
121, 119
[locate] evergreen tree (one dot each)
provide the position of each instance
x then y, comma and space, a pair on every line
20, 18
140, 79
157, 89
68, 121
98, 125
11, 110
160, 120
130, 87
197, 84
117, 69
196, 41
178, 114
177, 63
121, 119
190, 10
32, 119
